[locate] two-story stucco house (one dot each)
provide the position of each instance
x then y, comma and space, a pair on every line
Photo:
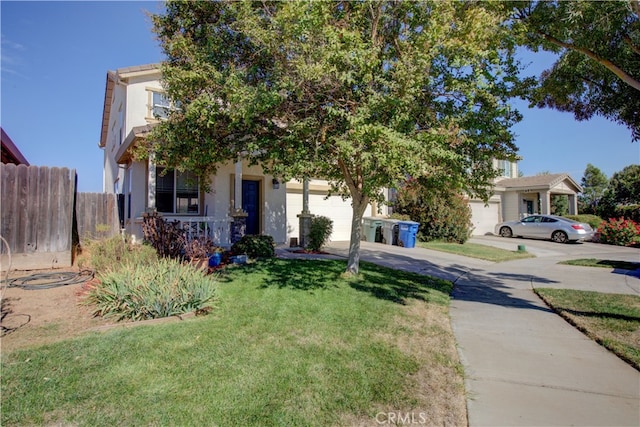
134, 102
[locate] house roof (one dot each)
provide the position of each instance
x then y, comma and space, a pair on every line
546, 181
114, 77
10, 152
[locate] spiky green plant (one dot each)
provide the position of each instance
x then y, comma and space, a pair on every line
149, 291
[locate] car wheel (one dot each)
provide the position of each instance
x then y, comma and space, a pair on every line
506, 232
559, 237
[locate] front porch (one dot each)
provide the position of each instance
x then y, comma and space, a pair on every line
532, 195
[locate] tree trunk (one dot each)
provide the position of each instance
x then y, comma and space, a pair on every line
359, 205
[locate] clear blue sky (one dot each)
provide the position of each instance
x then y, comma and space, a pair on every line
55, 56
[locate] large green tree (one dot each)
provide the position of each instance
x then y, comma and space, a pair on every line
598, 68
594, 182
623, 190
625, 185
363, 94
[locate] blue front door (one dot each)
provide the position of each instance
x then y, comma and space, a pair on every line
251, 205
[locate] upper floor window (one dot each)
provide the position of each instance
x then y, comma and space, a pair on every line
177, 192
504, 166
121, 124
160, 105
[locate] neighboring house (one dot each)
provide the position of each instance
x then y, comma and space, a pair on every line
10, 152
515, 197
243, 196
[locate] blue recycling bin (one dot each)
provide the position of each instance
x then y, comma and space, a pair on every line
215, 259
407, 232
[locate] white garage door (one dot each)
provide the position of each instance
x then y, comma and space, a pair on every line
484, 218
334, 207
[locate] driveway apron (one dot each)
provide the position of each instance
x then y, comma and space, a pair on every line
524, 365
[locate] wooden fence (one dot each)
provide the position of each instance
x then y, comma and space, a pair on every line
96, 215
41, 213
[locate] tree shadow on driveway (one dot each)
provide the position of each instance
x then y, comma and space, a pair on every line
470, 282
494, 288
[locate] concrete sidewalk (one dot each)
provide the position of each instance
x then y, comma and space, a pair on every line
525, 365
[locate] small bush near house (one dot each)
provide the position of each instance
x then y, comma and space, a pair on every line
255, 246
443, 215
165, 236
593, 220
400, 217
319, 233
619, 231
149, 291
110, 254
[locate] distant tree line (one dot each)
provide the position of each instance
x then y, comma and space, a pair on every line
616, 197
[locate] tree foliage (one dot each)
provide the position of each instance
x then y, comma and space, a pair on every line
625, 185
559, 205
594, 183
359, 93
622, 195
443, 214
598, 69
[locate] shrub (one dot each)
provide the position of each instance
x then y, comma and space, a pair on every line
165, 236
620, 231
443, 215
149, 291
593, 220
112, 253
631, 212
255, 246
319, 232
200, 247
400, 217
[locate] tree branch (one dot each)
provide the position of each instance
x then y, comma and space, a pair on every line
624, 76
629, 42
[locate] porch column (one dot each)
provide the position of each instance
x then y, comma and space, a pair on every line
545, 201
304, 217
151, 179
573, 204
237, 194
239, 224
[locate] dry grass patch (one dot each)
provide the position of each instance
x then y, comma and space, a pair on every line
424, 332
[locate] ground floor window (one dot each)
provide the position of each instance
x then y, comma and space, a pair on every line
177, 192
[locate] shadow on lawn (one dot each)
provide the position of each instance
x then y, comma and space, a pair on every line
381, 282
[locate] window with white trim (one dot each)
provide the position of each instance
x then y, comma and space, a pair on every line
504, 166
177, 192
160, 105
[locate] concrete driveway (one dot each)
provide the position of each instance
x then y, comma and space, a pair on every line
524, 365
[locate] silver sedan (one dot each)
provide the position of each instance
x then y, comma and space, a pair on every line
556, 228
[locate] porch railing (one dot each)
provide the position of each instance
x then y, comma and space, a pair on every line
216, 229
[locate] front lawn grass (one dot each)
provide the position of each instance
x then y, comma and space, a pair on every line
290, 342
613, 320
604, 263
475, 250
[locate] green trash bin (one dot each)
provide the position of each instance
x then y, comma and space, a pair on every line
371, 229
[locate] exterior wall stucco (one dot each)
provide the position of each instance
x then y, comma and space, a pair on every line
510, 206
112, 171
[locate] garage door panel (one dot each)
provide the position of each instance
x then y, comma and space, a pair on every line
484, 218
338, 210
